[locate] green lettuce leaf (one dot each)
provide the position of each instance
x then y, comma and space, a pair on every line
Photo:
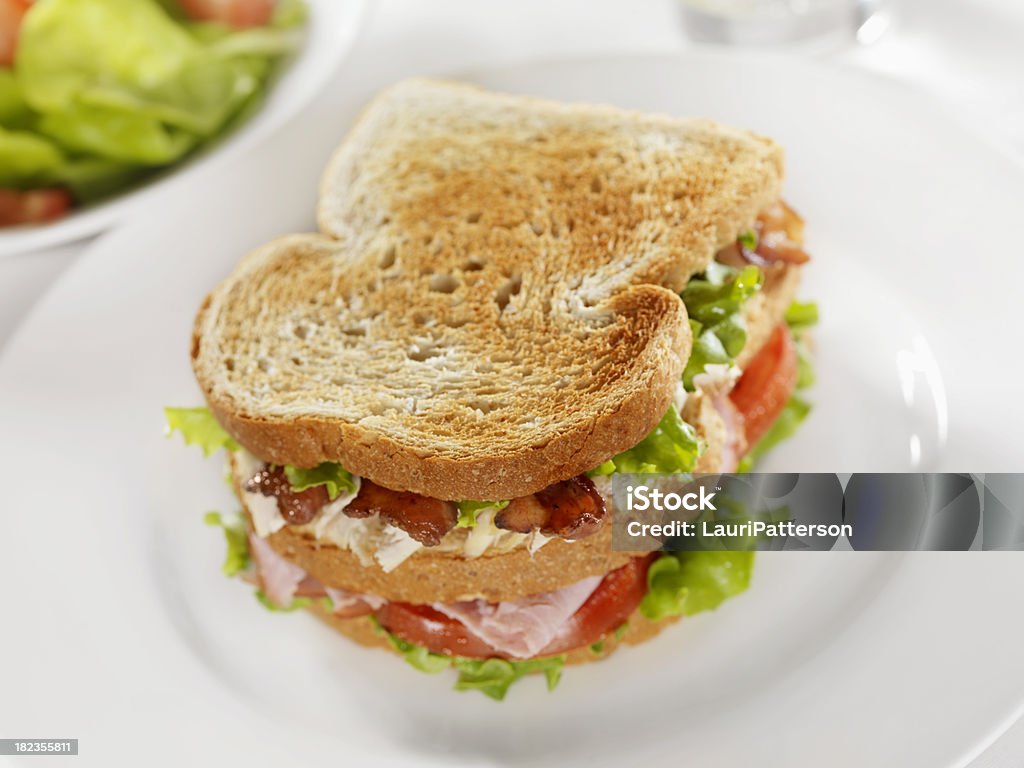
15, 113
417, 656
28, 160
68, 46
714, 304
748, 240
296, 604
131, 83
671, 447
801, 315
237, 538
492, 677
327, 473
93, 178
608, 468
198, 427
115, 134
685, 583
468, 511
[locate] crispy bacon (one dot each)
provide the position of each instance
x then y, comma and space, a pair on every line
780, 234
425, 519
522, 515
298, 508
572, 509
780, 237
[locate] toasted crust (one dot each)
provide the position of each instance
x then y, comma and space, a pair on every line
639, 629
492, 311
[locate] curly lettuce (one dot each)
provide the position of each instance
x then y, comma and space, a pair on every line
469, 510
237, 539
297, 602
685, 583
492, 677
110, 90
714, 303
327, 473
199, 427
670, 448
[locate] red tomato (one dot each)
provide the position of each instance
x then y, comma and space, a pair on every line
611, 604
234, 13
422, 625
37, 206
766, 384
11, 13
614, 600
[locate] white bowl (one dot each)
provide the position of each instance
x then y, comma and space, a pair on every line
332, 27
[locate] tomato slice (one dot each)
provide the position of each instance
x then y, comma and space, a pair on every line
37, 206
766, 384
614, 600
234, 13
422, 625
611, 604
11, 13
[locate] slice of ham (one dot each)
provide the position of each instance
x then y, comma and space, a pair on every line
521, 628
282, 582
572, 509
296, 507
279, 579
348, 605
514, 628
425, 519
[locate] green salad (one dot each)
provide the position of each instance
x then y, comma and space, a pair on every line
99, 95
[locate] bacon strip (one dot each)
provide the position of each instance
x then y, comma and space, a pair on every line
297, 508
572, 509
425, 519
780, 234
780, 237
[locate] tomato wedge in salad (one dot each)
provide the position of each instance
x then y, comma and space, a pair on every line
611, 604
36, 206
767, 384
11, 13
235, 13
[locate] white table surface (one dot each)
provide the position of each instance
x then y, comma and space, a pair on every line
968, 53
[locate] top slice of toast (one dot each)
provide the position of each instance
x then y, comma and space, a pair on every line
491, 305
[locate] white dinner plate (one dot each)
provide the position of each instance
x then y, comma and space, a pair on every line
331, 29
120, 630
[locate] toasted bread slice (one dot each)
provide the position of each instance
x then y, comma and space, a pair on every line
494, 310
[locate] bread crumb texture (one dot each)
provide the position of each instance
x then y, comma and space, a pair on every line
491, 305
